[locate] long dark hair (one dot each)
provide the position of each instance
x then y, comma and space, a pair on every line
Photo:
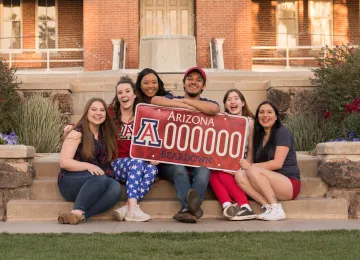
108, 132
267, 153
245, 109
141, 96
115, 104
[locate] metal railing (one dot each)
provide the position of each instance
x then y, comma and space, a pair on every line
47, 55
265, 42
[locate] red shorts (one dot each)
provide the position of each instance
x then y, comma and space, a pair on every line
296, 187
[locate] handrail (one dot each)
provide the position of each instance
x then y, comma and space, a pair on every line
47, 51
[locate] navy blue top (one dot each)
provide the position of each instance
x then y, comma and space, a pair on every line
99, 158
290, 167
181, 97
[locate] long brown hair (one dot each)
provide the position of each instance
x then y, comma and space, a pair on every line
245, 109
107, 128
115, 104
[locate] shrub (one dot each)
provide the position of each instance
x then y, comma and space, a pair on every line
309, 130
9, 98
40, 124
337, 78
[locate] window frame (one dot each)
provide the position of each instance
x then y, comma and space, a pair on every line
20, 50
56, 26
296, 4
331, 20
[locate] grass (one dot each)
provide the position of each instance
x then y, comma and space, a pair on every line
234, 245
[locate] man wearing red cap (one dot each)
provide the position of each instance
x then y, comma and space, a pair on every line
190, 182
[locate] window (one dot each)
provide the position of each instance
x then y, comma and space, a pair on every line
46, 24
321, 22
10, 24
287, 20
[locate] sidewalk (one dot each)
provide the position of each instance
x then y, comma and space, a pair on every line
169, 225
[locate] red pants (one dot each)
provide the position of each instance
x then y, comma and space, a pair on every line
226, 188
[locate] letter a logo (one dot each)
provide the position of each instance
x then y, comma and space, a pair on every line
148, 134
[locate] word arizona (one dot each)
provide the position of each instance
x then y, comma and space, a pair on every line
196, 120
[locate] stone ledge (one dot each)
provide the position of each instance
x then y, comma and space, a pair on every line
16, 151
340, 148
281, 83
46, 86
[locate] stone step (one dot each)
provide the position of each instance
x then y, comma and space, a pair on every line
316, 208
47, 189
47, 165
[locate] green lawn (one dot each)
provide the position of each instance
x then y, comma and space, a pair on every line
235, 245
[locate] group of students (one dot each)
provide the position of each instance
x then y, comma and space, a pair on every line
93, 163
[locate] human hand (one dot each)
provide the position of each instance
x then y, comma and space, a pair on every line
95, 170
154, 163
67, 129
244, 164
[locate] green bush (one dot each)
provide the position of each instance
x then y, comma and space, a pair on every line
351, 123
40, 124
337, 78
9, 98
309, 130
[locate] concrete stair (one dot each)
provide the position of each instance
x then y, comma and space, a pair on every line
161, 201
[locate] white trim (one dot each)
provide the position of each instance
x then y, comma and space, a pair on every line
296, 20
331, 20
21, 26
56, 25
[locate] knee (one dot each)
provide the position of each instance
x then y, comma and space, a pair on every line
203, 174
241, 178
114, 189
252, 173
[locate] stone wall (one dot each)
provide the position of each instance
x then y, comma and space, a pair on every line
16, 174
292, 97
58, 91
340, 168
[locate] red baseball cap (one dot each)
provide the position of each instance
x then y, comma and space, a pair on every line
198, 69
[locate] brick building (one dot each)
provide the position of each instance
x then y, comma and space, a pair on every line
82, 30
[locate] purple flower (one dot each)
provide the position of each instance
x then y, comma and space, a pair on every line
11, 139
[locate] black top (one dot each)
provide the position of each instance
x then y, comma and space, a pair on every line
290, 167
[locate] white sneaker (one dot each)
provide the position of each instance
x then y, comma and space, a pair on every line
276, 213
120, 213
136, 214
267, 209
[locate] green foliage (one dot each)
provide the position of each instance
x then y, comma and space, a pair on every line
337, 78
351, 123
309, 130
9, 98
40, 124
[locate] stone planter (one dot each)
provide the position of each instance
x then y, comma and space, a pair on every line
340, 168
16, 174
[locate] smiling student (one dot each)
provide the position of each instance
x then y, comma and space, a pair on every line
190, 182
274, 174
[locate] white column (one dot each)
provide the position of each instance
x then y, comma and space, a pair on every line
116, 50
220, 53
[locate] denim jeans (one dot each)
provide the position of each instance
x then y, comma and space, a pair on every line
186, 178
92, 194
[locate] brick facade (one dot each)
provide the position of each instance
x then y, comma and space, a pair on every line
91, 25
106, 20
345, 28
230, 20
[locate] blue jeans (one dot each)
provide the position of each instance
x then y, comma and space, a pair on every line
197, 179
92, 194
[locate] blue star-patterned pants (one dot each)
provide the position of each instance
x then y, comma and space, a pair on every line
137, 174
